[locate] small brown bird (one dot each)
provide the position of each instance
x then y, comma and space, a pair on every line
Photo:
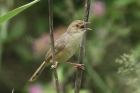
65, 47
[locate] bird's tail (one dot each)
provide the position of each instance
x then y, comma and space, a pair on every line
39, 71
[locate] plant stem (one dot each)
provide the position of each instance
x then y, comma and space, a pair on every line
52, 44
82, 50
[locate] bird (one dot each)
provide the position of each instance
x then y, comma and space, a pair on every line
65, 47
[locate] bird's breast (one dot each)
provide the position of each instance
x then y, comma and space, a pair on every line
71, 47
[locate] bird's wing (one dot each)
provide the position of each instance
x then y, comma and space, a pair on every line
59, 44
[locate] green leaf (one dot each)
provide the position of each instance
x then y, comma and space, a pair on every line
16, 11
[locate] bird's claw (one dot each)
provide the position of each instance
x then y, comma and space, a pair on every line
54, 65
81, 66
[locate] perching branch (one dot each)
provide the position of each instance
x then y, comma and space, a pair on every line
82, 50
52, 44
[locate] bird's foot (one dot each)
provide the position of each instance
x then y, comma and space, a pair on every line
54, 65
81, 66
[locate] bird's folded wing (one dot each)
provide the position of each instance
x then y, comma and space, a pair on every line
58, 45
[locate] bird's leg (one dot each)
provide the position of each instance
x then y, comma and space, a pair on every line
81, 66
54, 65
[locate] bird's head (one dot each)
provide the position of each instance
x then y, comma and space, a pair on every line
78, 26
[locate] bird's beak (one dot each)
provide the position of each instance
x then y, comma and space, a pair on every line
86, 24
88, 29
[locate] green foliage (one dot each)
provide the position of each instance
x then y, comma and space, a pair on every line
17, 30
23, 52
115, 25
130, 69
16, 11
124, 3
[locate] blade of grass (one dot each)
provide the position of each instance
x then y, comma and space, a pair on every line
13, 91
16, 11
7, 16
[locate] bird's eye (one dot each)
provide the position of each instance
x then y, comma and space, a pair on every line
82, 26
77, 25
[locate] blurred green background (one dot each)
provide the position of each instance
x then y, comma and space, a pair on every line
112, 47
